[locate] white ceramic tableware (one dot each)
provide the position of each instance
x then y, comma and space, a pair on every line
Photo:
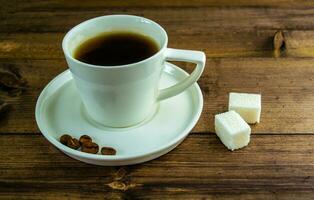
59, 110
121, 96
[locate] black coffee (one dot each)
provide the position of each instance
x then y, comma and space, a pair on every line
116, 48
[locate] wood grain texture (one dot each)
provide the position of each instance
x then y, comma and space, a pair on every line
225, 29
270, 167
237, 37
98, 4
38, 34
215, 43
218, 39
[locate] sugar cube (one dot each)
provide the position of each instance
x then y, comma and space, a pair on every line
232, 130
247, 105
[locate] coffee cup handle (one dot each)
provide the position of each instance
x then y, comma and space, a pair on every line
196, 57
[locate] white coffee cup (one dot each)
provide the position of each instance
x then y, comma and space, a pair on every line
121, 96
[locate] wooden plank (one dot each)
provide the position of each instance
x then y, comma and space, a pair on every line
216, 43
250, 33
99, 4
21, 117
186, 19
278, 163
286, 85
299, 43
272, 166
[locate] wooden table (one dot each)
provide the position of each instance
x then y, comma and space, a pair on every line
237, 37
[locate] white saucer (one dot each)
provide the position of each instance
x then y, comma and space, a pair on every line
59, 110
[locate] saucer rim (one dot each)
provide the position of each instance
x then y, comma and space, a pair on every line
71, 152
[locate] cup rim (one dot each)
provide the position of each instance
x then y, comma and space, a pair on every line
69, 33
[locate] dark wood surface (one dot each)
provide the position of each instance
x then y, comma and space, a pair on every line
237, 37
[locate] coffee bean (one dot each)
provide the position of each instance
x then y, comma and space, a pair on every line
73, 143
84, 139
64, 139
108, 151
90, 147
